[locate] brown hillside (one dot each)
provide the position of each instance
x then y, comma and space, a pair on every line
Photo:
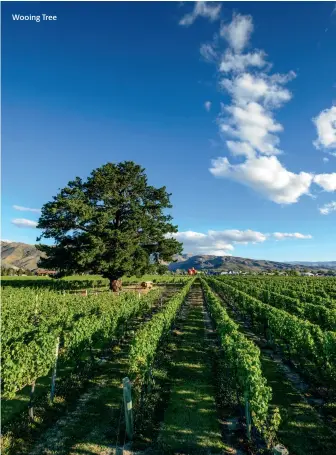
21, 255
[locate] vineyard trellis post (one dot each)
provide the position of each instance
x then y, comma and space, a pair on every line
248, 416
127, 393
54, 373
30, 405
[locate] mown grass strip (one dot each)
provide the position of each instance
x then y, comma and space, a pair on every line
191, 422
301, 429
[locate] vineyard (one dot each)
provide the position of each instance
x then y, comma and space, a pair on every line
214, 365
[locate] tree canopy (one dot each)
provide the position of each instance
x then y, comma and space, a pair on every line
112, 224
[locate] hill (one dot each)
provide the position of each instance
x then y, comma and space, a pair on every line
21, 255
327, 265
226, 263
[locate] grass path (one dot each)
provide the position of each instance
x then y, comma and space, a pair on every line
191, 423
302, 429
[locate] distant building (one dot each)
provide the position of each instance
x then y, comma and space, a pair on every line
44, 272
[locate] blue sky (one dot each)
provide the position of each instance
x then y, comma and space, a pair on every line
230, 105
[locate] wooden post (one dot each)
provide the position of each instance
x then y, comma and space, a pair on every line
248, 416
53, 377
36, 304
30, 406
128, 407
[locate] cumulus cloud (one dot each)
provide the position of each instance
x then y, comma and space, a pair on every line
24, 223
326, 181
262, 88
207, 105
326, 209
217, 243
25, 209
266, 175
240, 62
240, 149
208, 10
221, 243
252, 124
238, 32
325, 124
295, 235
247, 124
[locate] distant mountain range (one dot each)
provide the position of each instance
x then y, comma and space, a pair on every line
328, 264
226, 263
21, 255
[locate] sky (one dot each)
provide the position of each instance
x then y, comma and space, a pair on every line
230, 105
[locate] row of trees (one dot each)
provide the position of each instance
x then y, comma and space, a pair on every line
7, 271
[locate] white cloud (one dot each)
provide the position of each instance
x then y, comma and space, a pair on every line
266, 175
221, 243
217, 243
325, 124
240, 149
25, 209
253, 124
207, 105
295, 235
247, 124
209, 52
238, 32
325, 159
239, 62
328, 208
236, 236
326, 181
208, 10
263, 88
7, 241
24, 223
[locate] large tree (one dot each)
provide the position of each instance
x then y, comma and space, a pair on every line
112, 224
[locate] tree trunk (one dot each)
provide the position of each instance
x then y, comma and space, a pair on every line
115, 285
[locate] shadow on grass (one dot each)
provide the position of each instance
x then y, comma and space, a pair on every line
301, 430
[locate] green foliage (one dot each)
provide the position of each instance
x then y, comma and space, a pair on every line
272, 426
147, 339
244, 358
31, 324
7, 271
293, 273
316, 313
77, 282
313, 349
113, 224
